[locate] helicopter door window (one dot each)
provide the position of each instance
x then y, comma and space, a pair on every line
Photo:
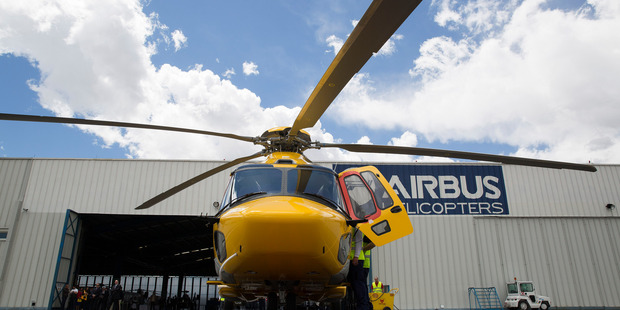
384, 200
361, 199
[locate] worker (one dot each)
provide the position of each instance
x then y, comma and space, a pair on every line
367, 245
377, 286
356, 275
222, 302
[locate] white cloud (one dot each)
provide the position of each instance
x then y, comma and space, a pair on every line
446, 14
438, 55
180, 40
389, 47
406, 139
250, 68
335, 43
76, 47
229, 73
542, 80
478, 16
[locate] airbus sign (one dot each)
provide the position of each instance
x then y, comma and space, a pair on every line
446, 189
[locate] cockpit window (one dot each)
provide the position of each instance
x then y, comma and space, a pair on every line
264, 180
282, 181
314, 183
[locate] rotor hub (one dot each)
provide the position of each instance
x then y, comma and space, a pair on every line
278, 139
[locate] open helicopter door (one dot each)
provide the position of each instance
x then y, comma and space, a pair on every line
368, 195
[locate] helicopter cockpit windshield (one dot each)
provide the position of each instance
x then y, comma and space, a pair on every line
266, 180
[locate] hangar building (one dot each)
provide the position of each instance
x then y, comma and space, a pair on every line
475, 225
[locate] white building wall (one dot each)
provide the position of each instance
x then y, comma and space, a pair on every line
31, 262
551, 192
575, 261
558, 234
432, 267
118, 186
48, 187
13, 174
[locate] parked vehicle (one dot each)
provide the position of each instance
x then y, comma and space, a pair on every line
522, 295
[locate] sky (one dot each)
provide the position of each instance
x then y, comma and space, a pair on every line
529, 78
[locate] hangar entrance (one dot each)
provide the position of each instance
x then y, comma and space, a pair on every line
172, 255
145, 245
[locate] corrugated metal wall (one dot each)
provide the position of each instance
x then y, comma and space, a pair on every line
52, 186
432, 267
13, 175
118, 186
550, 192
558, 233
575, 261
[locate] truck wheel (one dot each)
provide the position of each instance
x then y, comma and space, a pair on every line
524, 305
544, 306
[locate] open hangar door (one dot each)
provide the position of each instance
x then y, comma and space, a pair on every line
172, 255
145, 245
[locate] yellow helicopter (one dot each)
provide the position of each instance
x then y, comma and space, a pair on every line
283, 229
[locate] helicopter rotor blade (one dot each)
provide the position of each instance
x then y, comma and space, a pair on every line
377, 25
159, 198
80, 121
512, 160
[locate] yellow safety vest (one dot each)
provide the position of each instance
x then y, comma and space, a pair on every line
377, 288
366, 256
352, 252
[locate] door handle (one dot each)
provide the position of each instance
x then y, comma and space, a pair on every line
396, 209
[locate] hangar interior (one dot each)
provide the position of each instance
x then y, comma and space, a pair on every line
119, 244
166, 254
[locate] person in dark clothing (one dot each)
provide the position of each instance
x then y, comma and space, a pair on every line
64, 296
94, 299
71, 304
356, 276
105, 296
116, 295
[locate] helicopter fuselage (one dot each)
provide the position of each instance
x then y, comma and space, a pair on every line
282, 228
285, 227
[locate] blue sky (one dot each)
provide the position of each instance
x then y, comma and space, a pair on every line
528, 78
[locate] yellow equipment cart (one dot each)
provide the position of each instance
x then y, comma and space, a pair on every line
383, 301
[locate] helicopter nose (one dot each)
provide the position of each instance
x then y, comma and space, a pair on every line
290, 225
293, 232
